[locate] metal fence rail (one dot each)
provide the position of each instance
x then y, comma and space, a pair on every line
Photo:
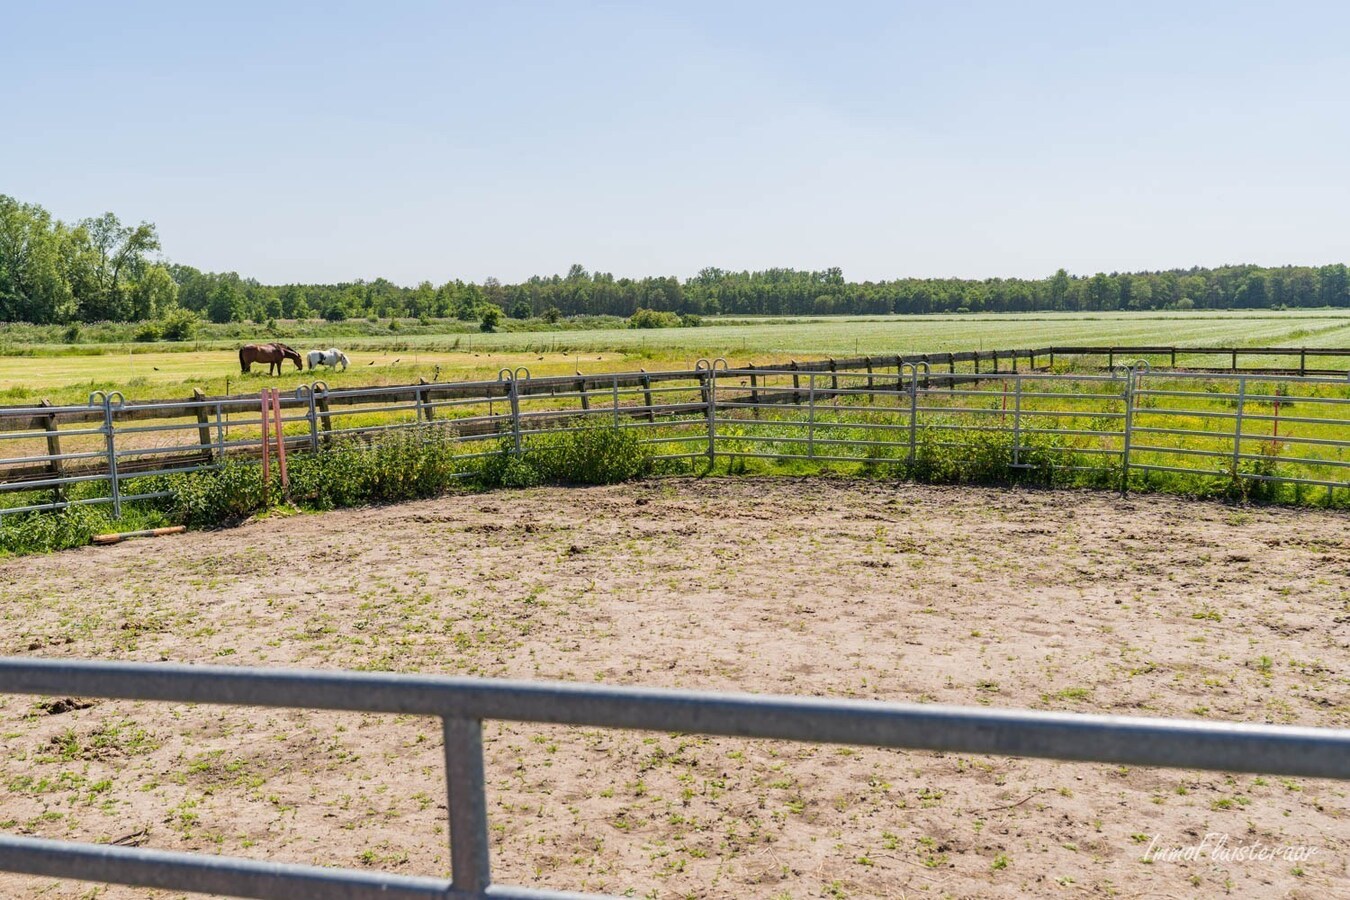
1245, 429
464, 703
1249, 428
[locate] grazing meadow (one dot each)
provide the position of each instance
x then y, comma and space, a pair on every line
35, 363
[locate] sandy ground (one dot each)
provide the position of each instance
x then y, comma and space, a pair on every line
1055, 600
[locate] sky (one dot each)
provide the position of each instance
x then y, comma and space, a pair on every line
316, 142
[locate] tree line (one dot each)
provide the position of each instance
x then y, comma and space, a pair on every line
102, 270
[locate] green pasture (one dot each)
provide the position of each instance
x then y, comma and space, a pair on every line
170, 375
63, 373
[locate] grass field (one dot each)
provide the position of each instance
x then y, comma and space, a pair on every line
169, 370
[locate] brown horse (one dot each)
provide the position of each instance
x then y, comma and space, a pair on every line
273, 354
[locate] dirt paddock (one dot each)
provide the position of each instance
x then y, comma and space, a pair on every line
1054, 600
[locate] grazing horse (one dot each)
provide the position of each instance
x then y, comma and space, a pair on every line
331, 358
273, 354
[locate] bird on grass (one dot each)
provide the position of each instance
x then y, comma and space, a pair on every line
156, 368
371, 363
395, 362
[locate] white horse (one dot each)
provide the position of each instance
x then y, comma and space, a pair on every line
331, 357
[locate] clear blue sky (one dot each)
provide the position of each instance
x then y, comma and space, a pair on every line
332, 141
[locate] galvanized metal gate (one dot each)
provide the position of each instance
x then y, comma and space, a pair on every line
463, 704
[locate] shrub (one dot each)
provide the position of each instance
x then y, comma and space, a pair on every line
39, 532
593, 454
651, 318
222, 496
179, 324
147, 332
409, 465
1252, 481
979, 457
504, 468
399, 465
71, 335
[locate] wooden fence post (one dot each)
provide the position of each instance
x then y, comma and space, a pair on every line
325, 420
754, 389
647, 395
871, 395
796, 383
581, 389
203, 423
55, 465
834, 378
1303, 361
423, 396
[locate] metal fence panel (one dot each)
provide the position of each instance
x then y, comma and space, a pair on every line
463, 703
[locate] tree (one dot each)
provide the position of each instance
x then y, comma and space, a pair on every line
227, 303
119, 253
489, 317
422, 300
154, 294
33, 286
1059, 289
1252, 294
552, 315
1102, 292
294, 302
1333, 285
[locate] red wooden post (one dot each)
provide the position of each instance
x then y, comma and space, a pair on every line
266, 397
281, 439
